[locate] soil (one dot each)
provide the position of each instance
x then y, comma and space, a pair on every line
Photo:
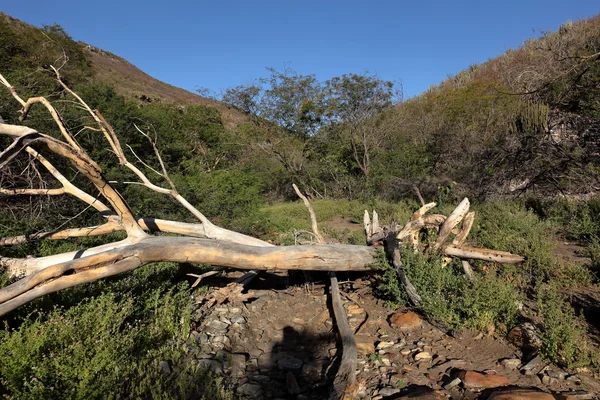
281, 343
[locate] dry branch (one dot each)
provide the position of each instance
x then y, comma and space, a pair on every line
313, 217
346, 374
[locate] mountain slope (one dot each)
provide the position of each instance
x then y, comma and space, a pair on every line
133, 83
26, 50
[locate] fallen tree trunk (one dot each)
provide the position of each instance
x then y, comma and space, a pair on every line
202, 242
184, 250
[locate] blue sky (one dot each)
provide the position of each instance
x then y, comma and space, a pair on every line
217, 45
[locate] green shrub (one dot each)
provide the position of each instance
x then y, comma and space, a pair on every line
564, 335
107, 343
451, 299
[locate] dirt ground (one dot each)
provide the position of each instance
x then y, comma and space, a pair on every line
281, 344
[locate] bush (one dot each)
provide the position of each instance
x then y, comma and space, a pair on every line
107, 345
451, 299
564, 336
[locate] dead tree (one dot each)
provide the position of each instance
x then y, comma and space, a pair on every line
201, 242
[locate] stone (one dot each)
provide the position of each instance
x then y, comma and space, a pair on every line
238, 319
476, 380
202, 338
291, 384
510, 363
423, 355
210, 364
264, 379
218, 325
238, 364
452, 384
548, 380
250, 390
388, 391
364, 345
557, 374
255, 352
288, 362
520, 394
406, 321
574, 395
528, 369
354, 310
164, 367
386, 361
423, 393
384, 345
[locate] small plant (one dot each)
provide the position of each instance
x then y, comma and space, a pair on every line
400, 383
375, 358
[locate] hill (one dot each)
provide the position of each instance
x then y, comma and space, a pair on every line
133, 83
27, 48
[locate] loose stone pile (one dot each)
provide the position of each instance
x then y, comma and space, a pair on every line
282, 345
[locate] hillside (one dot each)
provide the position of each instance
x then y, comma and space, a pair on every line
133, 83
22, 45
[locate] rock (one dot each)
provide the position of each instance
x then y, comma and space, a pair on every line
384, 345
423, 355
388, 391
386, 361
364, 345
238, 364
405, 352
557, 373
250, 390
210, 364
591, 383
264, 379
548, 380
528, 369
574, 379
423, 393
406, 321
288, 362
218, 325
574, 395
520, 394
510, 363
452, 384
164, 367
238, 319
398, 380
525, 335
353, 309
255, 352
202, 338
291, 384
476, 380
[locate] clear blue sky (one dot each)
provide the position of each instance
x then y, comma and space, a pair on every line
219, 44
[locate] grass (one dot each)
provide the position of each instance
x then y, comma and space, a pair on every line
279, 221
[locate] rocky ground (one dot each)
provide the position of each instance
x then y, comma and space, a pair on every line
279, 342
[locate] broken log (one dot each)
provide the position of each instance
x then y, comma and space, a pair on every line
345, 377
